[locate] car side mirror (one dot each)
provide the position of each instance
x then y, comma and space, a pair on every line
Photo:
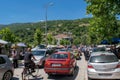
119, 60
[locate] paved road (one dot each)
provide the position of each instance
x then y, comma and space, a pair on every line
80, 73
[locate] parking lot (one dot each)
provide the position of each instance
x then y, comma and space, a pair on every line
80, 73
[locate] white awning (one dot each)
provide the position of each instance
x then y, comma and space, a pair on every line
21, 45
3, 42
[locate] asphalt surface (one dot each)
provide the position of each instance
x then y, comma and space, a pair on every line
80, 73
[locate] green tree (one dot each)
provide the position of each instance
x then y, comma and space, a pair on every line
50, 39
64, 42
38, 36
7, 35
104, 22
76, 41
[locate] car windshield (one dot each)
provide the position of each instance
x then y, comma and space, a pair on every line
41, 46
103, 59
38, 53
59, 56
99, 49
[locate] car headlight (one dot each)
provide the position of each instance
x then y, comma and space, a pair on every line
36, 62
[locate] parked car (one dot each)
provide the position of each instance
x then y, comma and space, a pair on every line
6, 68
41, 55
60, 63
103, 65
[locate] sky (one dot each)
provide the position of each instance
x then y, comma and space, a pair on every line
24, 11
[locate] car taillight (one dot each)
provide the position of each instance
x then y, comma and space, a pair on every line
66, 63
47, 63
118, 66
90, 66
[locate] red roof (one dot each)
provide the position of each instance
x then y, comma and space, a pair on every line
61, 36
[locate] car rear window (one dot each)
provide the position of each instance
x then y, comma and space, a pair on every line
59, 56
103, 59
99, 49
63, 50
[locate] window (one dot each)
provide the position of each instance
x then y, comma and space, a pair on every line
99, 49
104, 59
2, 60
59, 56
38, 53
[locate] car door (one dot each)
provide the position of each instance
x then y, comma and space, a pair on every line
2, 66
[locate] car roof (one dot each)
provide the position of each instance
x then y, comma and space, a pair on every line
62, 52
101, 45
101, 53
3, 55
39, 49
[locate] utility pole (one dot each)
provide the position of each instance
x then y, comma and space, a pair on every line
46, 12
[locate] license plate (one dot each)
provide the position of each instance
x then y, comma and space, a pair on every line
56, 65
105, 74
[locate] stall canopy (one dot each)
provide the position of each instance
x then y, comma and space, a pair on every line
21, 45
113, 41
3, 42
104, 42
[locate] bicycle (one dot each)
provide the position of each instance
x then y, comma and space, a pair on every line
28, 73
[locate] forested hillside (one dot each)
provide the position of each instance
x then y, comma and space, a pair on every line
25, 31
78, 29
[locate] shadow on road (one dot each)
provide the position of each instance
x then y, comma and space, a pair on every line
65, 77
37, 79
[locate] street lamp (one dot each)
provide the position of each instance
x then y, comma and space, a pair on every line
46, 8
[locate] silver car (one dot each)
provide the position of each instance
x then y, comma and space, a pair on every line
103, 65
41, 55
6, 68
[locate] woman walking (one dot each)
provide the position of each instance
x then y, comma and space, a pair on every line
15, 58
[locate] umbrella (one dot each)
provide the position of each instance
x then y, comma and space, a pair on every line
21, 45
3, 42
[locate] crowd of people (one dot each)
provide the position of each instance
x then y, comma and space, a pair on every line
88, 49
116, 51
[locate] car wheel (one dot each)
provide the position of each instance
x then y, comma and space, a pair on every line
75, 66
7, 75
49, 74
43, 64
89, 78
72, 74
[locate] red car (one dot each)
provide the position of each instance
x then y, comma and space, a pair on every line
60, 63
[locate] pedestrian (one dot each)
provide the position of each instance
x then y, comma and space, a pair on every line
113, 49
21, 55
15, 58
